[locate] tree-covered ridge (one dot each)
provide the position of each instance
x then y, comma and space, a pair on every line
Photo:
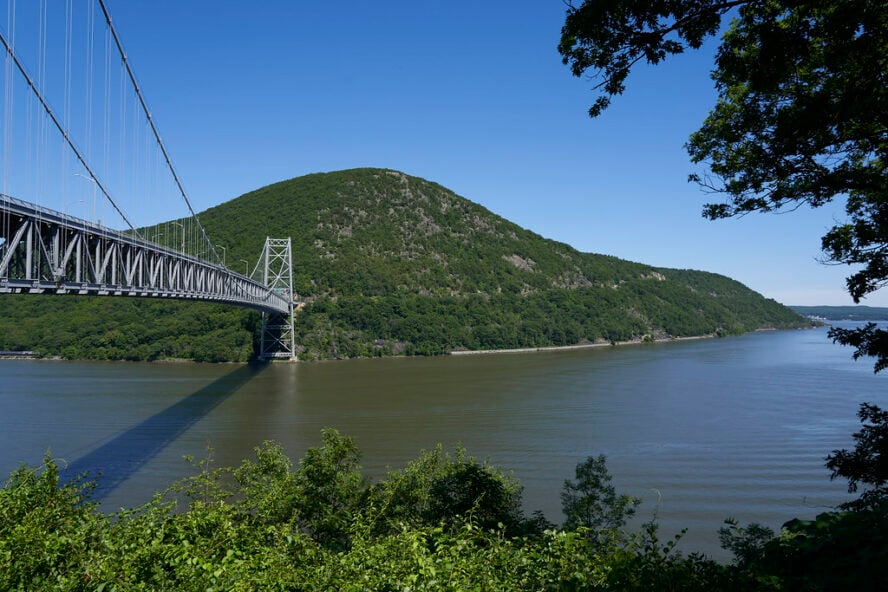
385, 264
372, 231
389, 263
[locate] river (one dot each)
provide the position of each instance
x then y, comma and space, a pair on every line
701, 430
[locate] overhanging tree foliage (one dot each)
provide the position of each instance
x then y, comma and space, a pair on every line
801, 119
868, 462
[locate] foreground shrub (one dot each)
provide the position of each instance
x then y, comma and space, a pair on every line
46, 530
444, 522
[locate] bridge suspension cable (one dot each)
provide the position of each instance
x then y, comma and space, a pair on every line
136, 141
150, 120
62, 130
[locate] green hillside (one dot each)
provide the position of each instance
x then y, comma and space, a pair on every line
388, 264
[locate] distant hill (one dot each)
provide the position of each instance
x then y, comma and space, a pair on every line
385, 264
844, 313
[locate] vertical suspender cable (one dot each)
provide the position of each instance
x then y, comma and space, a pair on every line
8, 98
62, 130
163, 150
8, 111
106, 119
90, 55
41, 80
66, 97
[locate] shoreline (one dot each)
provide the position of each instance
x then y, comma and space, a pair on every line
464, 352
556, 348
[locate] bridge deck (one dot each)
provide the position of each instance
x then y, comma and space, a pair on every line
44, 251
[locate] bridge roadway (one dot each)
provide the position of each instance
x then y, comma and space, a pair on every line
44, 251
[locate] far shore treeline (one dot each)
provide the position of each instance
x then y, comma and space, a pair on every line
857, 313
389, 264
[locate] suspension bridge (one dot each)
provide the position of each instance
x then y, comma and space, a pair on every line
90, 202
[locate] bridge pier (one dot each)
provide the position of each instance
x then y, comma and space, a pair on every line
278, 339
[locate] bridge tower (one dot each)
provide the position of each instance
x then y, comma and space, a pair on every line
278, 337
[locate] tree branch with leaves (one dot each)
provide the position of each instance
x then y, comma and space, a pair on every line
801, 118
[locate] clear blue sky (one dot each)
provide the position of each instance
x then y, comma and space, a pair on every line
468, 94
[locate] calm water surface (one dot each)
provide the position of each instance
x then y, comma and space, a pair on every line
701, 430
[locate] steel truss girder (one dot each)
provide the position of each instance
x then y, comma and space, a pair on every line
43, 251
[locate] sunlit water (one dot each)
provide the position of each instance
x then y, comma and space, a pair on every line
701, 430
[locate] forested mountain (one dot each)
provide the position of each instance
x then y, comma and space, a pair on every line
385, 264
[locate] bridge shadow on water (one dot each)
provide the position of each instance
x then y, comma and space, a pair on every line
125, 454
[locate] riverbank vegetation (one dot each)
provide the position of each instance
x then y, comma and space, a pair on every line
388, 264
446, 521
102, 328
